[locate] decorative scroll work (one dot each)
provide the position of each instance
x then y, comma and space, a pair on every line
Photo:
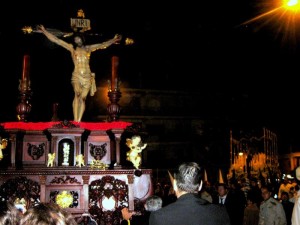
63, 180
98, 151
65, 124
36, 151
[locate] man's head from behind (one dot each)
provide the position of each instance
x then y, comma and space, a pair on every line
47, 213
187, 179
153, 203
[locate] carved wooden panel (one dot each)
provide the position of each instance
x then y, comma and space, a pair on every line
35, 148
107, 197
76, 191
20, 188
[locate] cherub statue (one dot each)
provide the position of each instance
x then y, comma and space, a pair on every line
51, 157
21, 204
80, 160
3, 145
136, 147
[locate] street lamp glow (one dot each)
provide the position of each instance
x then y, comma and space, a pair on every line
293, 5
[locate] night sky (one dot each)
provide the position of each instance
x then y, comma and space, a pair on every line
204, 46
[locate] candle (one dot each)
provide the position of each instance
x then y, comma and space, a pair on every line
26, 66
116, 84
115, 64
109, 85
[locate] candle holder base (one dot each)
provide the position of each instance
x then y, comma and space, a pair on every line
24, 107
114, 108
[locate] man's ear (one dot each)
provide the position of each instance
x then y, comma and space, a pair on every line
175, 185
200, 186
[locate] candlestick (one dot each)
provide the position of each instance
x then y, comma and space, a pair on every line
24, 107
26, 67
114, 72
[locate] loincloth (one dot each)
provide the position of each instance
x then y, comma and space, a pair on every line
87, 82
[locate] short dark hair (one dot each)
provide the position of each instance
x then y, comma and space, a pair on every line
251, 197
254, 179
269, 188
188, 177
222, 185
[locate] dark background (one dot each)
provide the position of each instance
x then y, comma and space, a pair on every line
248, 72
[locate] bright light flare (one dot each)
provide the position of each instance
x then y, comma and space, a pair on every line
293, 5
283, 18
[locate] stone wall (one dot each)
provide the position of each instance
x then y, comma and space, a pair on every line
176, 125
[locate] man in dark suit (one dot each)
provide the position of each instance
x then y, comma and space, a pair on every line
189, 208
233, 199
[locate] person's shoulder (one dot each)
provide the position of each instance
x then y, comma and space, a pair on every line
273, 201
157, 214
164, 210
140, 219
210, 210
215, 206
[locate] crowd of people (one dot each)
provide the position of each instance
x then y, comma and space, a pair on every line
40, 214
188, 200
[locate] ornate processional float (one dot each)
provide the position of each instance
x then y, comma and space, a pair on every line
254, 155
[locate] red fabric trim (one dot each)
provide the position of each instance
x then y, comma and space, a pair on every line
46, 125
